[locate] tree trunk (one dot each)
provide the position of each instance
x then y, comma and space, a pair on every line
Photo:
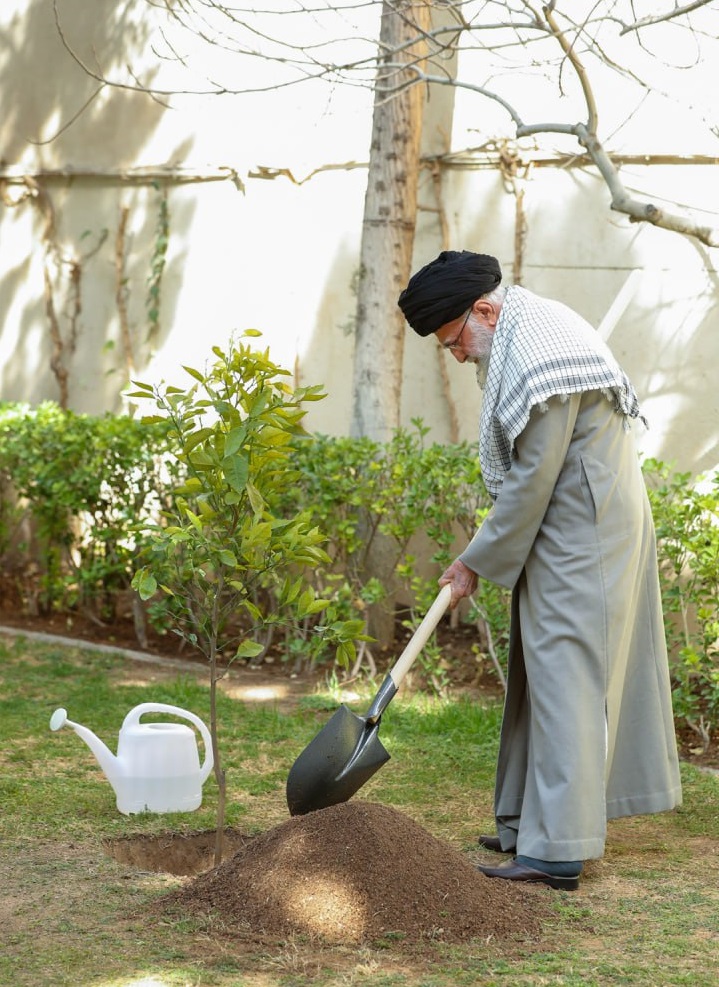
388, 226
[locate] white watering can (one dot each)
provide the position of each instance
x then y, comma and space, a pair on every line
157, 767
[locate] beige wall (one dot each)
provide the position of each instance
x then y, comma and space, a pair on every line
281, 255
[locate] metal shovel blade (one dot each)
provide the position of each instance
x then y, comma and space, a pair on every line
342, 757
347, 751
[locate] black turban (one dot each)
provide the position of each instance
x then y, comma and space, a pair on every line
446, 287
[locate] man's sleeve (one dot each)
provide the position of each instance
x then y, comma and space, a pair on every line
500, 547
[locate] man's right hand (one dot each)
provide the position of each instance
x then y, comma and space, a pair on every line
462, 580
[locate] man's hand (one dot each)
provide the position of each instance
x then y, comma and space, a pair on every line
462, 580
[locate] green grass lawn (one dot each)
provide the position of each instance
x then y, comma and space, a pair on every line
647, 914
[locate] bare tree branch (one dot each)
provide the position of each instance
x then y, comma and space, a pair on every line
637, 210
586, 134
578, 67
73, 118
516, 33
668, 16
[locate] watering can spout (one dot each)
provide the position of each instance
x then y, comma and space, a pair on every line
106, 759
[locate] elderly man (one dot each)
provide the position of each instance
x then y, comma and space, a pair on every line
587, 732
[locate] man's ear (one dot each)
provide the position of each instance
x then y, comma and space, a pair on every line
485, 310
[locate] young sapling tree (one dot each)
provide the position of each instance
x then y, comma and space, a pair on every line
228, 562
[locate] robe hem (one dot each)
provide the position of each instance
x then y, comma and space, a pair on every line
645, 805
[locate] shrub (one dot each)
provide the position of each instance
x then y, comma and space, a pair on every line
686, 517
421, 498
73, 485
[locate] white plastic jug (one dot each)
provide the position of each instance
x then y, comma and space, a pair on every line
157, 766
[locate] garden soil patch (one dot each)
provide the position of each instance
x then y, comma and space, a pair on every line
180, 854
358, 872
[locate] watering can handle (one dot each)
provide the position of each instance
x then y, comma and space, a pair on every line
134, 717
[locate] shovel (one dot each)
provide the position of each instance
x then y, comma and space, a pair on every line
347, 751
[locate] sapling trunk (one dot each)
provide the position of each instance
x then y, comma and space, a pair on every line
218, 769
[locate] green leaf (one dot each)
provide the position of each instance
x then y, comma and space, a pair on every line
194, 519
291, 590
305, 602
192, 485
144, 583
194, 439
237, 470
252, 610
259, 534
234, 440
313, 393
345, 654
200, 459
249, 649
256, 500
208, 512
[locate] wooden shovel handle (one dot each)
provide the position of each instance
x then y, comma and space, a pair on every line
420, 636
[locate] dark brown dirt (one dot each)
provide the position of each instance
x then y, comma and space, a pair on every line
358, 872
181, 854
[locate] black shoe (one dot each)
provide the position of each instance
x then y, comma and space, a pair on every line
519, 872
492, 843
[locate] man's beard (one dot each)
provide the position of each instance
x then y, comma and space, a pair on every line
480, 368
480, 350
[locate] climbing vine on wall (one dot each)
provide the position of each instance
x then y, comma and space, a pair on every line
62, 280
64, 269
157, 264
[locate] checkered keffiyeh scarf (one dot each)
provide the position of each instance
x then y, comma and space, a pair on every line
541, 349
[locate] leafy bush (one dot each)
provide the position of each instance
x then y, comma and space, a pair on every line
73, 489
686, 517
426, 497
73, 486
421, 498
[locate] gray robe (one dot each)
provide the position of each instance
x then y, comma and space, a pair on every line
587, 732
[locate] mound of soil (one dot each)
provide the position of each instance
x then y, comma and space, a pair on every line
357, 872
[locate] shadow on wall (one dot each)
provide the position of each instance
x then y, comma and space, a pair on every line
53, 111
328, 355
74, 325
665, 331
665, 328
89, 242
674, 327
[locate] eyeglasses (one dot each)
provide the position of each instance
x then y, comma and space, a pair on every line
455, 344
